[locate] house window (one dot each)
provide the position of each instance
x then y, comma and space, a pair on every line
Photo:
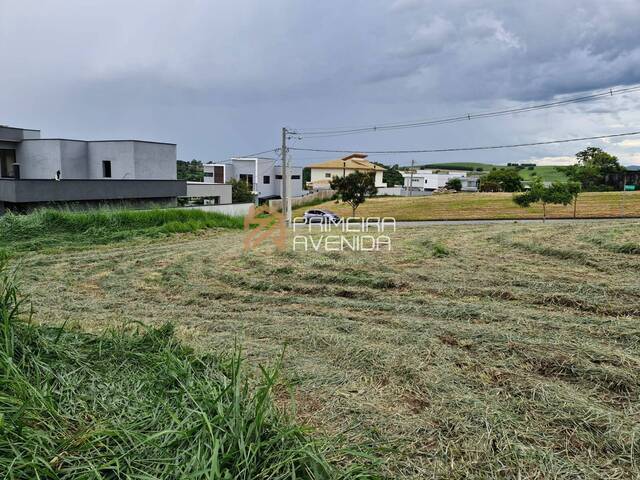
295, 177
7, 159
208, 174
247, 178
266, 179
278, 177
106, 169
327, 175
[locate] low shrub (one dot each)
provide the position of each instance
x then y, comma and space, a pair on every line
48, 228
437, 249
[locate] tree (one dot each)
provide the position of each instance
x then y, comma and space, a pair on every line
557, 193
391, 176
594, 164
501, 180
241, 192
454, 184
574, 188
354, 188
306, 175
489, 186
190, 171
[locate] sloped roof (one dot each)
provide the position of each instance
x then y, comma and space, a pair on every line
355, 161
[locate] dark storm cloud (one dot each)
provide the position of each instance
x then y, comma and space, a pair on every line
497, 50
220, 78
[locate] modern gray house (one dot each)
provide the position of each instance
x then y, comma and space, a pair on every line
35, 171
263, 175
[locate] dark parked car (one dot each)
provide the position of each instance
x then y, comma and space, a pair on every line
320, 216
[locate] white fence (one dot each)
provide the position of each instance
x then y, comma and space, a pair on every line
295, 201
402, 192
232, 209
395, 191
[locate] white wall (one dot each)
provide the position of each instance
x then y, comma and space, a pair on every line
305, 198
295, 184
210, 168
260, 168
321, 174
202, 189
267, 168
233, 209
395, 191
431, 181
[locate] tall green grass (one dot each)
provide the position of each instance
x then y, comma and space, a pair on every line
315, 201
137, 404
50, 228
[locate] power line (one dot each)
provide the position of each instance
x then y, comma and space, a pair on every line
466, 149
257, 154
329, 132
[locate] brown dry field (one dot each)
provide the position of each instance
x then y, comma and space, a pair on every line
486, 206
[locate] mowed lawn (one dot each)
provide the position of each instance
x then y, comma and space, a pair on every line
482, 351
460, 206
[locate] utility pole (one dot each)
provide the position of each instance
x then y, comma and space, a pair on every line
411, 178
286, 178
624, 186
285, 171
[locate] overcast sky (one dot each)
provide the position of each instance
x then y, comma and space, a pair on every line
220, 78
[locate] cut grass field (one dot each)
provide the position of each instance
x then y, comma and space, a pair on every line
468, 206
484, 351
133, 402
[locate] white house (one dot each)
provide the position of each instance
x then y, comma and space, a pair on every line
430, 180
322, 173
263, 175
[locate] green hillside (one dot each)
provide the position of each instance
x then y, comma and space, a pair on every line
547, 173
461, 166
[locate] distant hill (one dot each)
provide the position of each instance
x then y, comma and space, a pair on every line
547, 173
461, 166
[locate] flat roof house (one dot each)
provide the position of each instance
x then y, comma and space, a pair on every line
263, 175
430, 180
322, 173
36, 171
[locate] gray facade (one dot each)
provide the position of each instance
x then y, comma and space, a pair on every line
76, 159
41, 170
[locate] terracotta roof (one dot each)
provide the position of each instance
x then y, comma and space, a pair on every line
355, 161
